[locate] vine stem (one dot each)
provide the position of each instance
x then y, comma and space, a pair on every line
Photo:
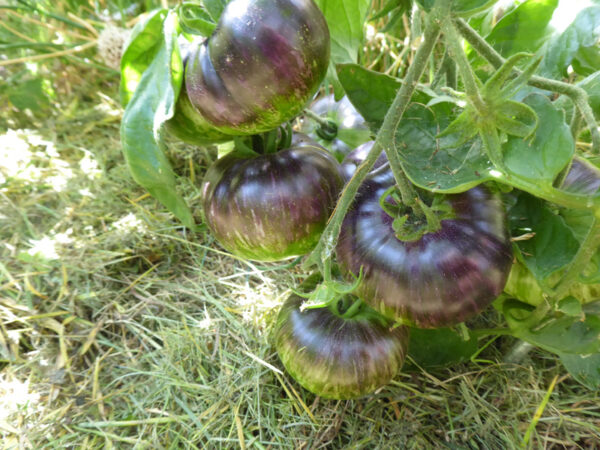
575, 93
454, 46
317, 118
384, 140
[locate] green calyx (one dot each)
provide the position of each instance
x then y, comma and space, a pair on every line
410, 224
489, 111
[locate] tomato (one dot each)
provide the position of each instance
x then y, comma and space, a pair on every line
582, 178
261, 65
441, 279
351, 131
357, 156
272, 206
337, 357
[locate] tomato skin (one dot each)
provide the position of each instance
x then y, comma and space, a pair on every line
335, 357
190, 127
262, 64
441, 279
582, 178
272, 206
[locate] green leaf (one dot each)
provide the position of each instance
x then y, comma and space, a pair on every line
371, 93
524, 29
152, 104
468, 8
194, 19
570, 306
552, 247
345, 19
586, 61
584, 368
560, 50
564, 334
439, 347
140, 51
441, 165
215, 8
550, 151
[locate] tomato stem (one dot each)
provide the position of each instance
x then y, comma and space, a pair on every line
454, 46
385, 139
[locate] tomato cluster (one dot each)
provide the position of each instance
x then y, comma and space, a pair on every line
270, 198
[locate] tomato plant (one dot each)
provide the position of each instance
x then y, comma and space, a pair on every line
514, 112
341, 351
271, 206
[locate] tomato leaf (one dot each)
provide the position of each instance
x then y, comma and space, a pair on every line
562, 49
345, 19
215, 8
552, 247
584, 368
524, 29
439, 347
371, 93
195, 19
467, 8
152, 104
438, 164
570, 306
565, 334
140, 50
550, 151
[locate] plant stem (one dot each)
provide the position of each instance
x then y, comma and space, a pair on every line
491, 140
575, 124
454, 46
317, 118
575, 93
385, 136
326, 245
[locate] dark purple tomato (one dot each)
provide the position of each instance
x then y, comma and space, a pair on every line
356, 157
272, 206
583, 177
337, 357
441, 279
262, 64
